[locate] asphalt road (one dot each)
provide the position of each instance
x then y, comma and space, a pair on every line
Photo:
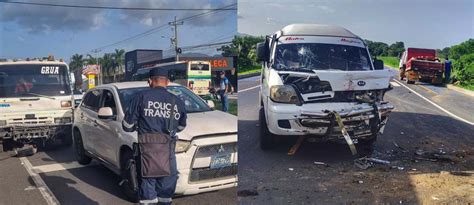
71, 183
273, 177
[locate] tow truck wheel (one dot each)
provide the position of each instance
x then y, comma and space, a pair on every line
267, 139
126, 186
81, 156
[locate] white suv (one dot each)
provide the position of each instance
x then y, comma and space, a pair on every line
206, 150
311, 75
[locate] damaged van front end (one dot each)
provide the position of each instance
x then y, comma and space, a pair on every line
306, 103
320, 80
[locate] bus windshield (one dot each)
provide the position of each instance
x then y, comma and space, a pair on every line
204, 67
34, 80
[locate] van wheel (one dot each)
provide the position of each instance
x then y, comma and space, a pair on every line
81, 156
127, 187
267, 139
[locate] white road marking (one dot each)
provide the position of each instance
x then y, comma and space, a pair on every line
436, 105
247, 89
58, 167
40, 184
394, 84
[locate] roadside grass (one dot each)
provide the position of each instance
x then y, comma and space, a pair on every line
390, 61
250, 70
467, 87
232, 106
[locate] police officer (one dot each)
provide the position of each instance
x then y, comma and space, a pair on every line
150, 113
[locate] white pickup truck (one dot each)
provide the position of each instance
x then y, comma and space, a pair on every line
35, 104
320, 80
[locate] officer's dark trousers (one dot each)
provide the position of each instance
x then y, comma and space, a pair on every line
159, 190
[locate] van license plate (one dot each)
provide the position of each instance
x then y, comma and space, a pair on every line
220, 161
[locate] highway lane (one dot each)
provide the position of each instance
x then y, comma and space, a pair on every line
71, 183
414, 124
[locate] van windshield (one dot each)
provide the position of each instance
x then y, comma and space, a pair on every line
34, 80
319, 56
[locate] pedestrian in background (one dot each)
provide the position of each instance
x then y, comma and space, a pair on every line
447, 70
223, 92
157, 115
233, 80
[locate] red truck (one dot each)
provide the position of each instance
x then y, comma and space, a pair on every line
420, 64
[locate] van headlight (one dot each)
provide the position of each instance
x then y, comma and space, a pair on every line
181, 146
283, 94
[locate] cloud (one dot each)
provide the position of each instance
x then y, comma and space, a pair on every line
326, 9
48, 19
154, 18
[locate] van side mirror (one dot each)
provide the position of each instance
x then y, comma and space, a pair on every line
106, 113
378, 64
262, 52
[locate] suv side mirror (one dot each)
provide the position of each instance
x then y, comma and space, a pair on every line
211, 104
262, 52
106, 113
378, 64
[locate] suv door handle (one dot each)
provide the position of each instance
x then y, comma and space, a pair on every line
95, 123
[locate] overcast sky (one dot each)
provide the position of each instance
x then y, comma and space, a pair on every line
418, 23
36, 31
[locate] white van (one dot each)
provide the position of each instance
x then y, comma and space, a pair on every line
310, 74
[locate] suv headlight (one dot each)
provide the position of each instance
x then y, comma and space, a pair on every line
181, 146
283, 94
62, 120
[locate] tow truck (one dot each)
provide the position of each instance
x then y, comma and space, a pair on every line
36, 104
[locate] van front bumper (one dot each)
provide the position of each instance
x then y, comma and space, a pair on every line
316, 118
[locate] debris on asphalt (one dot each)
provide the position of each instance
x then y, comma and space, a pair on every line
402, 133
398, 167
399, 147
367, 162
246, 192
434, 156
291, 169
321, 163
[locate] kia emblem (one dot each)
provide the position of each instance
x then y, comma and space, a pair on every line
361, 83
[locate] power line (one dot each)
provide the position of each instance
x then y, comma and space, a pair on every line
114, 8
162, 27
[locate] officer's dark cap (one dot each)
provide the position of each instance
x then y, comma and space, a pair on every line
158, 72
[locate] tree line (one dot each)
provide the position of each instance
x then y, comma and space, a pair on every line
111, 64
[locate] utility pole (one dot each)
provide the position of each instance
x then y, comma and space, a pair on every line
99, 76
174, 41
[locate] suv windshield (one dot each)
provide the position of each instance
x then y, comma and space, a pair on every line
192, 102
319, 56
34, 80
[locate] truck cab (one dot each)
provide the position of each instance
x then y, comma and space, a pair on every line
36, 104
421, 64
310, 74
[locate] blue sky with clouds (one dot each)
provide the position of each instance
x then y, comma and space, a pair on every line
35, 31
418, 23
